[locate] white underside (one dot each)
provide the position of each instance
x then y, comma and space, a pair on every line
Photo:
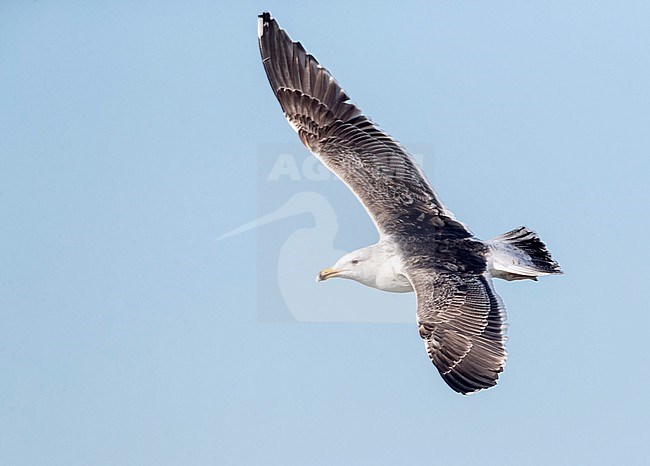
510, 263
393, 282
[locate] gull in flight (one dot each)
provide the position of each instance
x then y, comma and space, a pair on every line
421, 247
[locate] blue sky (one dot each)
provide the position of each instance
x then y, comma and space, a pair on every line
134, 134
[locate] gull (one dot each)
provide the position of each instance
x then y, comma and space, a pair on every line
422, 247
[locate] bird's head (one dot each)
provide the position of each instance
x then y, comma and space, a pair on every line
354, 266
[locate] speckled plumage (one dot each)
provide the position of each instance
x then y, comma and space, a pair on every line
460, 317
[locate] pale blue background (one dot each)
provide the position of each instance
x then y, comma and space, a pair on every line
128, 135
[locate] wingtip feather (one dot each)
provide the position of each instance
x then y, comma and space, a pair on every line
263, 19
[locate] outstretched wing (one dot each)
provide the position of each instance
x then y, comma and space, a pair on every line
462, 322
377, 169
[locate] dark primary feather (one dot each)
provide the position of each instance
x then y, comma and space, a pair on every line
375, 166
462, 323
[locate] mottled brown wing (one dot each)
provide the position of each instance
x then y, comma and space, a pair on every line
462, 322
377, 169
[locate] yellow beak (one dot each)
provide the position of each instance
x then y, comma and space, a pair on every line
327, 273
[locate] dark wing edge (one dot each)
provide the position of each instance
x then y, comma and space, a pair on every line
462, 322
376, 168
309, 95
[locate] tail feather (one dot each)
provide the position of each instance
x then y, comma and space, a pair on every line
520, 254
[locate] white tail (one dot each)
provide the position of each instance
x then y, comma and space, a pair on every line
519, 255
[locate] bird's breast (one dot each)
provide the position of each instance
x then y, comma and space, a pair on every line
393, 282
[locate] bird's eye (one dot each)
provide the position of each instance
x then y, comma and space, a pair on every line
355, 261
